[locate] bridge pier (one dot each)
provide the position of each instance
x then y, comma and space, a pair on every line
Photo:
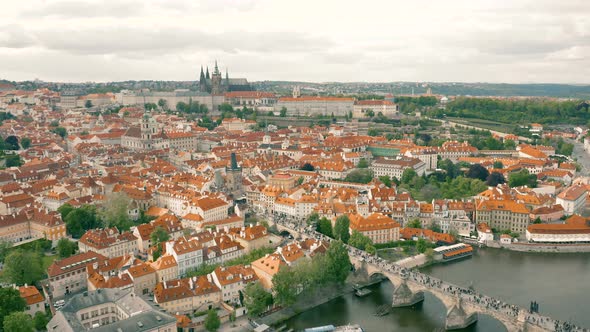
457, 318
404, 297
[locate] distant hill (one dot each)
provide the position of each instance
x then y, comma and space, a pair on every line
450, 88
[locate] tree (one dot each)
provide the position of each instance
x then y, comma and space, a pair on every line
477, 171
358, 240
81, 219
115, 211
429, 253
370, 113
421, 245
256, 299
159, 235
386, 179
300, 180
212, 322
495, 179
408, 175
225, 107
11, 143
452, 170
363, 163
23, 267
61, 131
313, 219
18, 322
337, 265
498, 164
370, 249
25, 142
285, 286
307, 167
40, 321
325, 227
10, 301
359, 175
415, 223
13, 160
522, 178
283, 112
66, 248
163, 104
341, 228
88, 104
537, 220
435, 227
509, 144
4, 249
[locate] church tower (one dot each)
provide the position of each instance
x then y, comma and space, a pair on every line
148, 130
216, 87
202, 81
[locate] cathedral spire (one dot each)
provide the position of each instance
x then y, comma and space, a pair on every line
207, 74
216, 70
202, 76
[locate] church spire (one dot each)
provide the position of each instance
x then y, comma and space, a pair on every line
202, 76
226, 77
216, 70
207, 74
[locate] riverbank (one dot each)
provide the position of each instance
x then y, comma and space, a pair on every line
544, 247
307, 302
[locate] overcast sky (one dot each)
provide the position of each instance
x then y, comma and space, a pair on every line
308, 40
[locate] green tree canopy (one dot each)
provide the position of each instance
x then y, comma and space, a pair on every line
341, 228
358, 240
477, 171
115, 211
256, 298
10, 301
40, 321
414, 223
360, 175
66, 248
283, 112
25, 142
18, 322
11, 143
522, 178
81, 219
212, 322
495, 179
61, 131
408, 175
23, 267
4, 249
159, 235
324, 226
307, 167
363, 163
338, 263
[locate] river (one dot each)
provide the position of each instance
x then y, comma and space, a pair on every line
558, 282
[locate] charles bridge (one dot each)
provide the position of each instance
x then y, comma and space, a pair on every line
462, 305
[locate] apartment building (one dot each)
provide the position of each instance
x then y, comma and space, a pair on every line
188, 254
187, 295
232, 280
378, 227
108, 242
396, 167
503, 215
69, 274
573, 199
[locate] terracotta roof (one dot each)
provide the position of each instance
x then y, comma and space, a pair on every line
30, 294
73, 263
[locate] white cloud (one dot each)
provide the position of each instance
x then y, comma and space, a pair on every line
328, 40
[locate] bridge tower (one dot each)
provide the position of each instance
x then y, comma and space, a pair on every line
457, 318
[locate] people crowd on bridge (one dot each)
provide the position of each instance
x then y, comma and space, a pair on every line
463, 294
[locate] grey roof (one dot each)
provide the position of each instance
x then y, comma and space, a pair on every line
143, 315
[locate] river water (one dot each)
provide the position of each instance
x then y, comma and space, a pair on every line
560, 283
